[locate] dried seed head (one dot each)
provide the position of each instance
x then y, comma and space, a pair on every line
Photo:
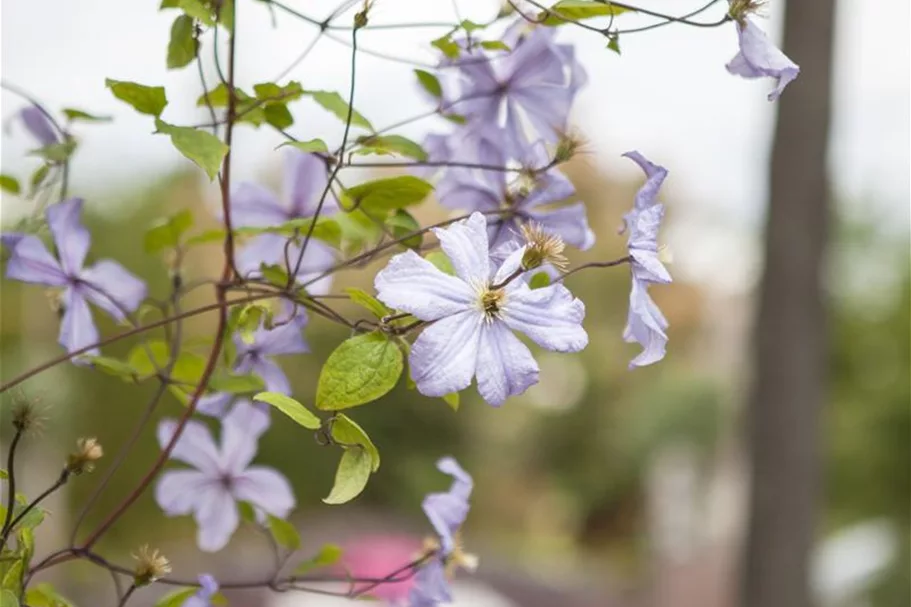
26, 417
150, 566
542, 247
88, 451
569, 145
740, 9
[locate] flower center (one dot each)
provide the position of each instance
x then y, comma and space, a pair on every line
492, 301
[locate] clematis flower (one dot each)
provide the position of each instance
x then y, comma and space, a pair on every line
531, 198
285, 338
106, 284
220, 475
39, 125
645, 323
305, 179
208, 586
758, 56
535, 83
447, 512
474, 313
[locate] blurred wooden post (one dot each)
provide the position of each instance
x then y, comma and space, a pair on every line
790, 331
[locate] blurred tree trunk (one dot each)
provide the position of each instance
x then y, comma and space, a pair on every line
790, 331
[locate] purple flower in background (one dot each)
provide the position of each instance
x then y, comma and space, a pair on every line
39, 125
473, 316
531, 198
208, 586
220, 476
285, 338
447, 512
645, 323
106, 284
531, 86
759, 58
305, 179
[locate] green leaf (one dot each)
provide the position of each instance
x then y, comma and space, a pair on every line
313, 145
390, 144
401, 224
250, 319
187, 370
13, 578
182, 46
204, 149
368, 302
56, 152
471, 26
333, 102
452, 400
613, 43
389, 193
291, 408
284, 533
25, 537
430, 83
3, 474
247, 512
218, 97
541, 279
9, 184
74, 115
226, 14
236, 384
197, 10
442, 263
38, 177
566, 11
166, 233
176, 598
275, 274
360, 370
44, 595
327, 229
447, 46
345, 431
112, 366
455, 118
269, 91
495, 45
278, 115
149, 100
8, 599
351, 477
327, 556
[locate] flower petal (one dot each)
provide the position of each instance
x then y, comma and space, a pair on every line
240, 432
465, 243
645, 325
511, 263
759, 56
77, 329
431, 586
30, 261
254, 206
655, 175
70, 236
270, 249
568, 222
266, 489
305, 179
177, 491
268, 370
214, 404
38, 125
550, 316
414, 285
217, 518
195, 445
444, 357
505, 366
448, 510
112, 288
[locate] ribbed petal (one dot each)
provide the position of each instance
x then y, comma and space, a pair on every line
240, 432
112, 288
70, 236
30, 261
77, 329
654, 176
505, 366
254, 206
444, 357
266, 489
759, 56
38, 125
195, 446
550, 316
645, 326
217, 518
177, 491
465, 243
414, 285
305, 179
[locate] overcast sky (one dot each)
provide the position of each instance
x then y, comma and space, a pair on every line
668, 95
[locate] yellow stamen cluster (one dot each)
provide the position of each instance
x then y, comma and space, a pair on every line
492, 301
542, 247
151, 566
88, 451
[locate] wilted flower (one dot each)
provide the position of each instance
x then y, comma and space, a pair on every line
645, 323
473, 314
150, 567
222, 475
305, 180
88, 451
106, 284
208, 586
758, 56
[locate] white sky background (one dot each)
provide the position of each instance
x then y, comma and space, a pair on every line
668, 96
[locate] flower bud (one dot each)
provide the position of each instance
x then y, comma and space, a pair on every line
150, 566
541, 247
83, 459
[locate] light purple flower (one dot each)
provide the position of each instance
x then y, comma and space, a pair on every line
305, 179
106, 284
447, 512
645, 323
759, 58
531, 86
524, 200
221, 475
39, 125
208, 586
473, 316
285, 338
